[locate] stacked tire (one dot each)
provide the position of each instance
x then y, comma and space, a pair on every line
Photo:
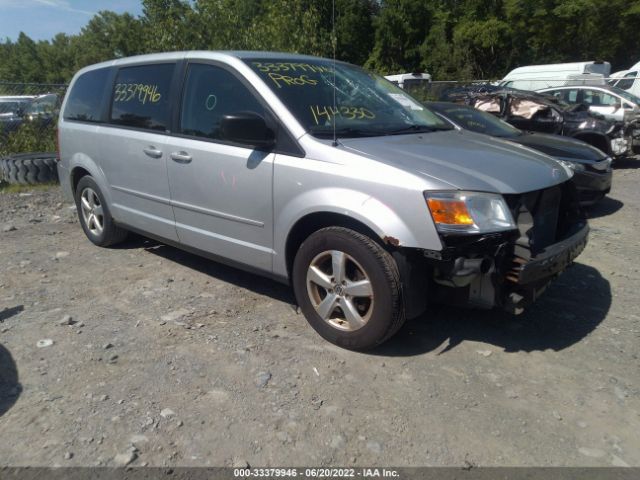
29, 168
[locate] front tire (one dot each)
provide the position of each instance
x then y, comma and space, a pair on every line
94, 215
348, 288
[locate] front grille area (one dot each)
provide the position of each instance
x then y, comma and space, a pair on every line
544, 218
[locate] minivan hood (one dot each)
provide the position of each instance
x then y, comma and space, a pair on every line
557, 146
465, 160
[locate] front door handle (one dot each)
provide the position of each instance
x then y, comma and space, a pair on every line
152, 152
181, 157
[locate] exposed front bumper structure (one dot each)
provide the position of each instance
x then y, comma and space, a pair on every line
555, 259
511, 269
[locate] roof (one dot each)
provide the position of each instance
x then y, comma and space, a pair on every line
205, 54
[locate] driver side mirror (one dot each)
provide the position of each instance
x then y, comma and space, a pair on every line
247, 128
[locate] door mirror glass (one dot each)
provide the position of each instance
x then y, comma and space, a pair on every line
247, 128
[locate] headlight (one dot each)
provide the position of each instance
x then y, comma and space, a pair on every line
570, 167
469, 212
573, 166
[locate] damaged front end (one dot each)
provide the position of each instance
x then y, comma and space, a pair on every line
631, 130
511, 269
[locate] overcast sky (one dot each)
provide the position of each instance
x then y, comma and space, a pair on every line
42, 19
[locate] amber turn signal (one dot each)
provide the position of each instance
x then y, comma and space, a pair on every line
449, 211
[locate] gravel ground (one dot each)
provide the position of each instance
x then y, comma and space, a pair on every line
146, 355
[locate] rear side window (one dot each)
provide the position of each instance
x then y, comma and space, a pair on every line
141, 96
86, 96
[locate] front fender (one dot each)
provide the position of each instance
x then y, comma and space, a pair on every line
375, 214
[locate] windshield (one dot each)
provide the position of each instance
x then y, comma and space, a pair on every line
45, 104
626, 95
365, 104
477, 121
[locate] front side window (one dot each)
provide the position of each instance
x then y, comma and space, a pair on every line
141, 96
210, 93
365, 104
596, 98
86, 96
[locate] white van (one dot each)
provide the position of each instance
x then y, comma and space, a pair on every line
628, 80
536, 77
405, 80
416, 84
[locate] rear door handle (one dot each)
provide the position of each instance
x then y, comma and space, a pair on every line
181, 157
152, 152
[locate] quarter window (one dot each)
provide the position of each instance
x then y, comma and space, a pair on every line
211, 92
86, 96
141, 97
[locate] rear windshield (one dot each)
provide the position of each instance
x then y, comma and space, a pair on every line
86, 96
347, 98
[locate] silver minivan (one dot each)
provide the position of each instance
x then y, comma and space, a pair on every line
319, 174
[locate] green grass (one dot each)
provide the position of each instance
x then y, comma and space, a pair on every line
11, 188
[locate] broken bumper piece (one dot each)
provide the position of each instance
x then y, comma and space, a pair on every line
554, 259
534, 276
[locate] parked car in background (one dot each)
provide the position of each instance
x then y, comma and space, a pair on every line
610, 102
535, 77
12, 110
592, 167
316, 173
43, 108
538, 112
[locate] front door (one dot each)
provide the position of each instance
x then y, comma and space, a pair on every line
221, 193
603, 103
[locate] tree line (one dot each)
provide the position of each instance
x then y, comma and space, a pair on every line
451, 39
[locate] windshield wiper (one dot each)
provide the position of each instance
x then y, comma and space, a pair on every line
346, 133
415, 129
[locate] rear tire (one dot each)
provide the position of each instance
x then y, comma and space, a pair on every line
94, 215
348, 288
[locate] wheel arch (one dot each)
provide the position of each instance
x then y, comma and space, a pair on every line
392, 225
76, 174
81, 165
315, 221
